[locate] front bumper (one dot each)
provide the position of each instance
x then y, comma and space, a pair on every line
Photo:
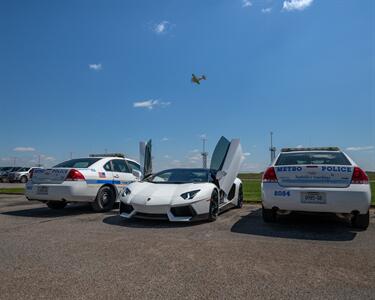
356, 197
178, 213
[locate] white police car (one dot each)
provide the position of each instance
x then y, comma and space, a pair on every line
316, 180
97, 179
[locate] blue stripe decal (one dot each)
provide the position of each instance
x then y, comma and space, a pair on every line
102, 181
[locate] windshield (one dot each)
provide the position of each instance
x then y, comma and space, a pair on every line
181, 176
312, 158
23, 169
78, 163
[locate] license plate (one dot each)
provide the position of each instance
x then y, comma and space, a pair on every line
314, 198
42, 190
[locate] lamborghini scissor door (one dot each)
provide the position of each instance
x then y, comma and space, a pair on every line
227, 157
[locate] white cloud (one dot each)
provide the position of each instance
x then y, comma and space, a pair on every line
290, 5
299, 146
162, 27
95, 67
150, 104
167, 156
266, 10
365, 148
47, 158
24, 149
246, 3
247, 154
165, 139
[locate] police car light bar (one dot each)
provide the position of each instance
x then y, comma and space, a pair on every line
108, 155
311, 149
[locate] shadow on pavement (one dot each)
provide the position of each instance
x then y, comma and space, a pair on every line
45, 212
297, 226
145, 223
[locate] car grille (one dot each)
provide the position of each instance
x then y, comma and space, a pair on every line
152, 216
183, 211
125, 208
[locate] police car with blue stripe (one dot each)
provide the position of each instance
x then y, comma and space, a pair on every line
97, 179
316, 180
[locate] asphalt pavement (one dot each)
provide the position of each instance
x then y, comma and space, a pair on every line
78, 254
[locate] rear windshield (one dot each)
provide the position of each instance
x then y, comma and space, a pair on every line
78, 163
312, 158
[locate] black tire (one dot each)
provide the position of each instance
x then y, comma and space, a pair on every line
269, 215
105, 199
240, 197
56, 204
23, 179
361, 221
214, 206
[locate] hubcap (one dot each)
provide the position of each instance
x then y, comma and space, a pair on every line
105, 198
214, 207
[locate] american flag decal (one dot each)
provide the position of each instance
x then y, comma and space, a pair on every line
101, 174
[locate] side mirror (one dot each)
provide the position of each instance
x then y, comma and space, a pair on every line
137, 173
220, 175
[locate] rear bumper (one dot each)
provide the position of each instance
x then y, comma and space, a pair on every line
356, 197
67, 191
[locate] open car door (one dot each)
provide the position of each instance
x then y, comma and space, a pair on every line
227, 158
145, 157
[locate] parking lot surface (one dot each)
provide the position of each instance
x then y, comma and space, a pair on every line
75, 253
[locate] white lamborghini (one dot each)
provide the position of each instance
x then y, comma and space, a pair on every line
184, 195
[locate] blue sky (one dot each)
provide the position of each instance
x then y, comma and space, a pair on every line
84, 76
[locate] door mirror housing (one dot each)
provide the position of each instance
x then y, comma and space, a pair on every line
220, 174
137, 173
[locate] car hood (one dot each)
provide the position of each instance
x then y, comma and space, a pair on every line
146, 193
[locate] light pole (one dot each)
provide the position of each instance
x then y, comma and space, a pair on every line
272, 149
204, 153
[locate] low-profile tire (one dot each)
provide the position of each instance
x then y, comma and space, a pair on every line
361, 221
268, 215
56, 204
213, 211
104, 200
23, 179
240, 197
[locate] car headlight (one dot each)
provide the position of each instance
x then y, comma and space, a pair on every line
126, 192
189, 195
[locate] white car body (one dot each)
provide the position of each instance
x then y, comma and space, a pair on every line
153, 200
22, 175
316, 188
53, 185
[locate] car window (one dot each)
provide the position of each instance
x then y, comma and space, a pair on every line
78, 163
133, 165
23, 169
220, 153
181, 176
119, 165
108, 166
312, 158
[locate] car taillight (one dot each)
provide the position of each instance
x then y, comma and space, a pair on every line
270, 175
74, 175
359, 176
